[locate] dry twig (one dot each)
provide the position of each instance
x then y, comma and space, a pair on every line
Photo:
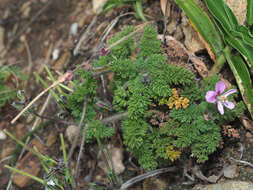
145, 176
242, 162
73, 146
60, 80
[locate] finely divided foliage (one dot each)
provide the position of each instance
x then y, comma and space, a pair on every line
165, 105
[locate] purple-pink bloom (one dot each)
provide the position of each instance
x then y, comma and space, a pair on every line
99, 105
221, 99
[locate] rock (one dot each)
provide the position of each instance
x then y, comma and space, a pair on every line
26, 9
2, 135
117, 159
51, 139
30, 164
231, 171
227, 185
192, 41
249, 135
213, 178
20, 131
7, 150
98, 5
155, 183
36, 143
71, 132
74, 29
247, 123
55, 54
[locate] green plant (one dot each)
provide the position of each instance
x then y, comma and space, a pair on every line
85, 87
166, 107
233, 42
8, 87
136, 3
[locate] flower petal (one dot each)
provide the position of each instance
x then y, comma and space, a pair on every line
220, 87
229, 105
220, 107
211, 96
231, 91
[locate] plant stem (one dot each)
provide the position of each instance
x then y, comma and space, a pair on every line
67, 172
115, 117
25, 146
112, 180
81, 151
220, 61
79, 127
26, 174
139, 10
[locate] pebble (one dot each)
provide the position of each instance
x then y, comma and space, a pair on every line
231, 171
227, 185
2, 135
55, 54
71, 132
117, 159
249, 135
74, 29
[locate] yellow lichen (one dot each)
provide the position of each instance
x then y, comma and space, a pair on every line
175, 93
177, 101
185, 103
172, 154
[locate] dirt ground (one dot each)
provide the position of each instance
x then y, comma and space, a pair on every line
37, 31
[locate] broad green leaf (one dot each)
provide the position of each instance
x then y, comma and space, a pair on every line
245, 50
111, 4
139, 10
242, 77
249, 17
230, 15
223, 14
244, 34
203, 24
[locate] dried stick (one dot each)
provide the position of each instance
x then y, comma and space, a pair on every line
115, 117
30, 63
60, 80
104, 121
146, 175
242, 162
138, 29
112, 24
80, 151
52, 119
79, 127
84, 36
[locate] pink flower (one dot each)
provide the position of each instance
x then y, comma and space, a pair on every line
221, 99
